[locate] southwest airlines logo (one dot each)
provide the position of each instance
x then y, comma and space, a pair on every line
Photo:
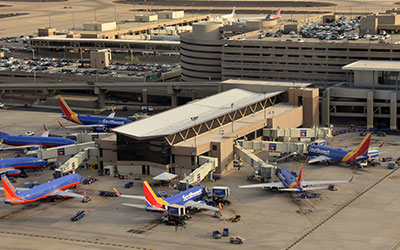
272, 147
303, 133
60, 151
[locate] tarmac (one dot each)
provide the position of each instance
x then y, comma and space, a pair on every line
361, 215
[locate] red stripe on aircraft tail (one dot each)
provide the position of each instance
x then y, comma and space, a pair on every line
150, 196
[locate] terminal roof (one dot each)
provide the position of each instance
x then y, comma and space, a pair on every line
371, 65
186, 116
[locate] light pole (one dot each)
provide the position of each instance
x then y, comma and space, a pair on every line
194, 118
265, 114
232, 115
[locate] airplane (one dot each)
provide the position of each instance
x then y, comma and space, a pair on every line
289, 183
188, 198
57, 187
23, 141
324, 154
98, 123
269, 17
229, 16
16, 166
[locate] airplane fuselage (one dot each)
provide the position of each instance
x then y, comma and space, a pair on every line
21, 140
91, 120
22, 162
335, 154
287, 179
46, 189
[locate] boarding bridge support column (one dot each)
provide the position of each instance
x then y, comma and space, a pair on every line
393, 110
101, 104
145, 97
370, 109
325, 108
174, 95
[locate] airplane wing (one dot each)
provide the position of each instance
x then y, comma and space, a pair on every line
320, 158
265, 185
3, 148
313, 183
137, 206
137, 197
5, 170
84, 126
200, 205
67, 194
302, 189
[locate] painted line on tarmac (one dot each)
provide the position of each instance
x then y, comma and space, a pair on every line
75, 240
341, 208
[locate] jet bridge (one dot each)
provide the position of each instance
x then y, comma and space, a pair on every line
207, 167
87, 155
262, 170
56, 152
275, 148
300, 134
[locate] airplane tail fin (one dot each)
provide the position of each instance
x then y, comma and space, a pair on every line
300, 178
9, 189
151, 198
65, 108
278, 12
361, 149
46, 131
116, 192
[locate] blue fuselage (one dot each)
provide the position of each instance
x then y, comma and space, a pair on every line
46, 189
20, 140
335, 154
192, 194
106, 121
22, 162
286, 177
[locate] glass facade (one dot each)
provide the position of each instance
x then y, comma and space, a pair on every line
154, 150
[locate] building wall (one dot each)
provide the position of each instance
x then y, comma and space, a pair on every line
365, 78
223, 150
276, 60
290, 119
201, 53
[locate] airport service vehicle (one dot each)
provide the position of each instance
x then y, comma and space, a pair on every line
392, 165
54, 188
288, 183
236, 240
16, 166
99, 123
79, 215
324, 154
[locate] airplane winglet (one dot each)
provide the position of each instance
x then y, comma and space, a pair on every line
308, 159
61, 126
116, 192
380, 145
351, 179
44, 127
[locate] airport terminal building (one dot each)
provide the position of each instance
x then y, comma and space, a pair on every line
173, 140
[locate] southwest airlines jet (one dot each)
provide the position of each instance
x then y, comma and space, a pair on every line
16, 196
23, 141
325, 154
16, 166
187, 198
87, 121
289, 183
